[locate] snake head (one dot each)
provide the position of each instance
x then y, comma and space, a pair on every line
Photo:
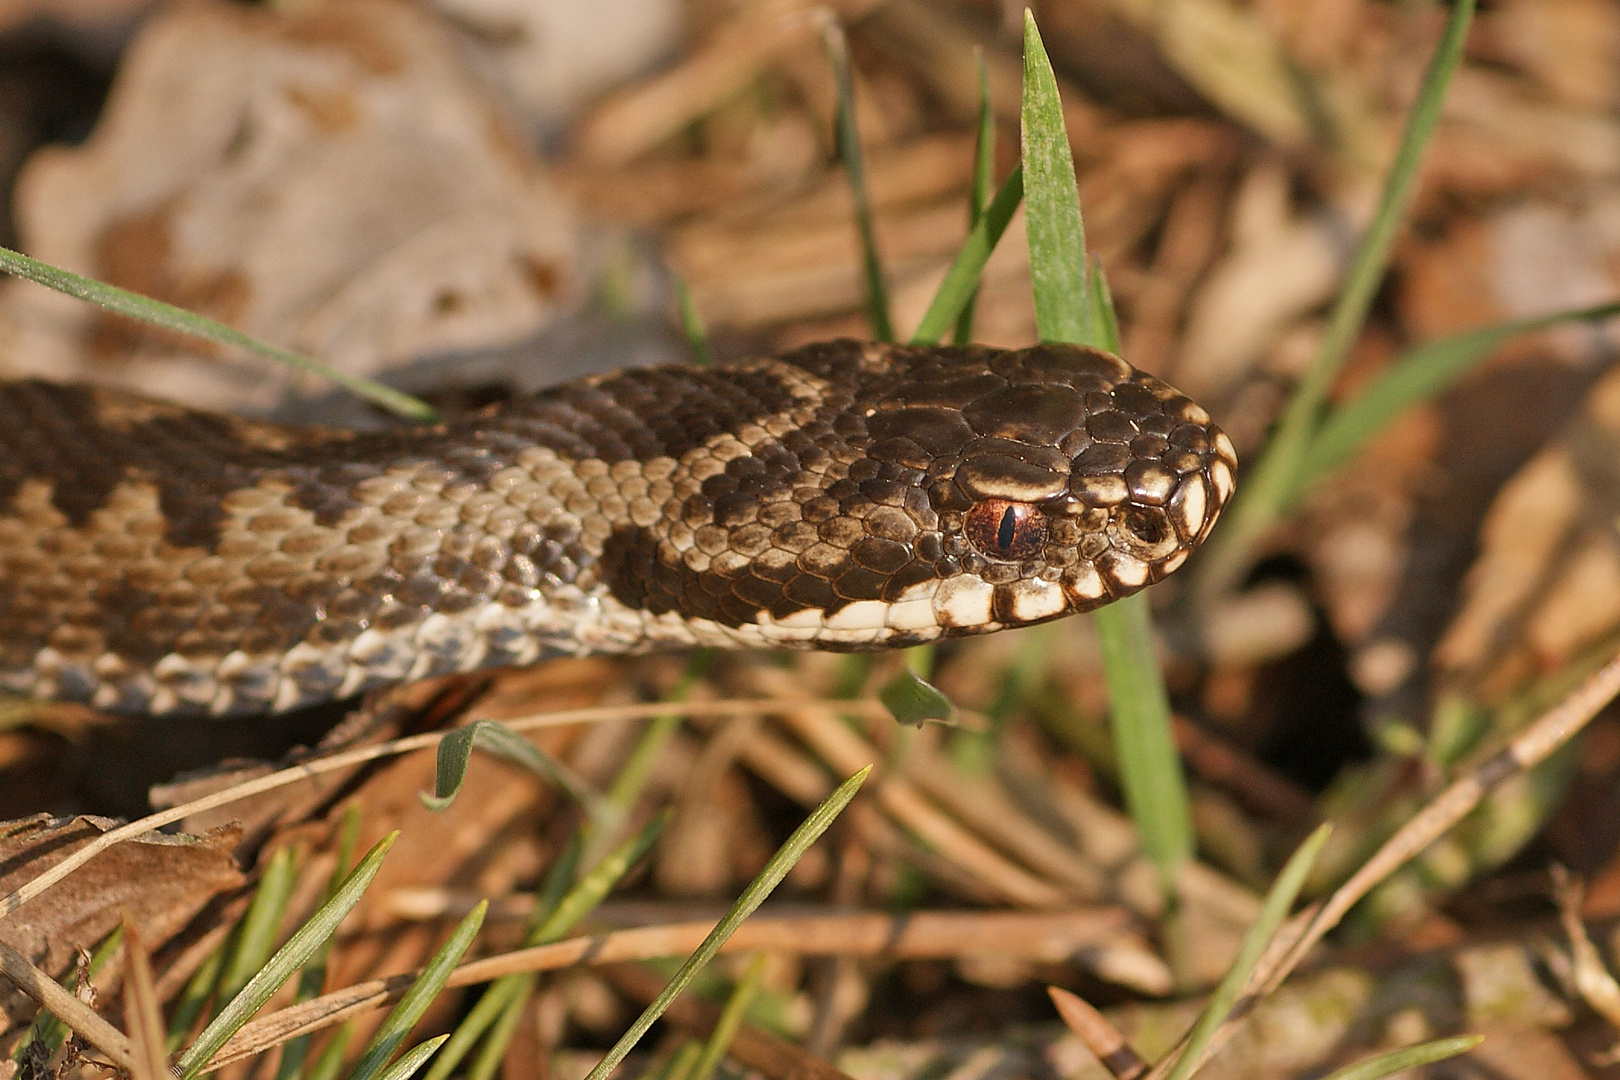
1062, 478
945, 491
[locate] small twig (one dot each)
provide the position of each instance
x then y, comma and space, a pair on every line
142, 1010
1100, 1037
84, 1020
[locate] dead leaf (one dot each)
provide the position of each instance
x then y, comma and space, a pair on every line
158, 882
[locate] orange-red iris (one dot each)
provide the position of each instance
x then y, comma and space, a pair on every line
1010, 531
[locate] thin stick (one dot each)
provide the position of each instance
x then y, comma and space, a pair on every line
1101, 1037
70, 1010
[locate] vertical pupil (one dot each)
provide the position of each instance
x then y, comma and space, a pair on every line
1009, 527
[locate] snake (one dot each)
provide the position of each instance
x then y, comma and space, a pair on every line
844, 495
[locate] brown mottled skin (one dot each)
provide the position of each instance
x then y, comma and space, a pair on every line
154, 558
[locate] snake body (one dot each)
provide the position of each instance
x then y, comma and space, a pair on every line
843, 496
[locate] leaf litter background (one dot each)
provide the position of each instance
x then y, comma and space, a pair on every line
483, 196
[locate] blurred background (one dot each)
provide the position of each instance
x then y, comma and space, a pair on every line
473, 198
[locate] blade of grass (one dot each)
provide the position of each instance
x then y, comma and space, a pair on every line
167, 316
1150, 775
761, 887
1409, 1057
849, 153
914, 700
697, 335
626, 788
731, 1018
1266, 489
330, 1059
1417, 375
984, 185
1272, 913
684, 1060
498, 740
595, 885
256, 935
962, 279
1152, 779
303, 944
412, 1059
493, 1052
402, 1017
1057, 236
199, 990
1100, 302
1075, 306
312, 978
510, 991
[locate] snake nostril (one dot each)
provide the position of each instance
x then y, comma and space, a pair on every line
1149, 530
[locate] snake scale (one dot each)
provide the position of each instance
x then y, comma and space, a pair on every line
842, 496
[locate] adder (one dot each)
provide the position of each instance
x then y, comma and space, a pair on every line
842, 496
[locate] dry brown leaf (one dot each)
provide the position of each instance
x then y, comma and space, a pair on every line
158, 883
1547, 581
1571, 46
333, 180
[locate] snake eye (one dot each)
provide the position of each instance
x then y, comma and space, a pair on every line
1010, 531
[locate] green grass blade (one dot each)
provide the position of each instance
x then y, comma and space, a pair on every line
199, 989
697, 335
1417, 375
849, 152
412, 1059
683, 1061
731, 1018
984, 186
403, 1016
1272, 913
962, 279
1139, 715
303, 944
503, 994
554, 921
256, 935
1077, 307
1057, 236
1100, 304
493, 1052
913, 700
626, 788
498, 740
1410, 1057
597, 883
761, 887
1260, 500
312, 978
330, 1059
157, 313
